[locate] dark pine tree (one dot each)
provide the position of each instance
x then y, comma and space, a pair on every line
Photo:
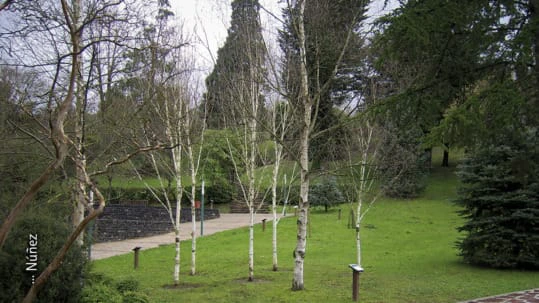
243, 49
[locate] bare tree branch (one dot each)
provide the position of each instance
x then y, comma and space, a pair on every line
5, 4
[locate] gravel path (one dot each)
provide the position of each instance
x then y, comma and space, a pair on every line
225, 222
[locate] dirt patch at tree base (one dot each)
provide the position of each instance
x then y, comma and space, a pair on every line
182, 286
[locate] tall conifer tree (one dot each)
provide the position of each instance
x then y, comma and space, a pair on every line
232, 68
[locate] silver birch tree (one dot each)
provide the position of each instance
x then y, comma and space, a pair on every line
170, 105
235, 100
193, 130
310, 92
280, 125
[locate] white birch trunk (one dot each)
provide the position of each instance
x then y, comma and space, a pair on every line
251, 176
275, 175
193, 169
358, 226
80, 159
176, 155
365, 139
274, 180
301, 245
251, 244
193, 210
79, 192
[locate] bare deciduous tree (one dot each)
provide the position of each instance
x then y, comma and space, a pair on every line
310, 92
60, 25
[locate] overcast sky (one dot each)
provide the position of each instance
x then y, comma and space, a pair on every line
210, 19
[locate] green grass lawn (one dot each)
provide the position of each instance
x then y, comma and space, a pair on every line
409, 255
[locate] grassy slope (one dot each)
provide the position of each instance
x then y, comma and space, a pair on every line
409, 256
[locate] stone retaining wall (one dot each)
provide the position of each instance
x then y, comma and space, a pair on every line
121, 222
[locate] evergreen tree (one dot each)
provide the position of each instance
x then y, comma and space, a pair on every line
500, 181
436, 54
500, 195
326, 193
402, 163
243, 49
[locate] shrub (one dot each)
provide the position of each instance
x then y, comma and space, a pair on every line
127, 285
135, 297
100, 293
221, 192
96, 278
15, 280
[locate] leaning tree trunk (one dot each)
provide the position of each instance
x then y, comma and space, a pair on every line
57, 136
31, 295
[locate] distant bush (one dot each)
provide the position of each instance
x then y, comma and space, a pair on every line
219, 192
119, 194
326, 193
292, 192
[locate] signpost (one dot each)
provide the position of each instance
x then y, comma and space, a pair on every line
202, 211
356, 270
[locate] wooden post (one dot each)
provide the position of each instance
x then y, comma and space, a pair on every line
340, 210
356, 270
264, 224
136, 250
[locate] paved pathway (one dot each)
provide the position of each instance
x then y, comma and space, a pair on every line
225, 222
525, 296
